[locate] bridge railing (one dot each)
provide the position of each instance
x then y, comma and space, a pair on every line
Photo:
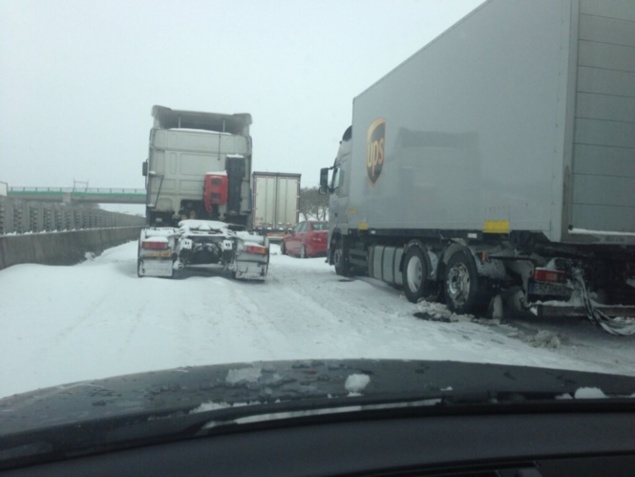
22, 216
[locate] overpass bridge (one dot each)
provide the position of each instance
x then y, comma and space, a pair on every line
69, 195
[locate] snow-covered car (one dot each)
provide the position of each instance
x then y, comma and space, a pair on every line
306, 239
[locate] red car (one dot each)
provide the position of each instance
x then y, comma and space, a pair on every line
307, 239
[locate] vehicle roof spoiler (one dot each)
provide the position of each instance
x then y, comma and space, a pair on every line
166, 118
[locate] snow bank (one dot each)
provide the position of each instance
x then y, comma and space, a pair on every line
98, 319
545, 339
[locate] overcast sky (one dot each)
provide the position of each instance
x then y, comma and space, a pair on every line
78, 78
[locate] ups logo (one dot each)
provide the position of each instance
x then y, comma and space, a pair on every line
375, 149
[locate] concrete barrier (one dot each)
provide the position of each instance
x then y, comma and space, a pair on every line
61, 248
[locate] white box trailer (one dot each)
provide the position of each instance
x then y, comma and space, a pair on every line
499, 158
198, 167
276, 201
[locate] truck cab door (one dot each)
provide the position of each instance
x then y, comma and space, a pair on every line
340, 184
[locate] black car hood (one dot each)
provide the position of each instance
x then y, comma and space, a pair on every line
305, 384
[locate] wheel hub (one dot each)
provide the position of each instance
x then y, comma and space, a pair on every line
414, 273
458, 283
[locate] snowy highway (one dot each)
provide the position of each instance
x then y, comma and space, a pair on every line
98, 319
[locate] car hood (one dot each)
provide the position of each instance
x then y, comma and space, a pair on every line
257, 386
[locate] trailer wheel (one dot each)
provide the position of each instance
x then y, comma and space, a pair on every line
461, 283
415, 273
342, 266
303, 251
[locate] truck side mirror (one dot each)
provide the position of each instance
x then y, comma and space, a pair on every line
324, 181
144, 168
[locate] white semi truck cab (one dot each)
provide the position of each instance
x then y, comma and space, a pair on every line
165, 250
198, 202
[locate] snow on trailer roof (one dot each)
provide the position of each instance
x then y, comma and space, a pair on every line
252, 243
292, 175
251, 239
156, 238
601, 232
160, 232
192, 225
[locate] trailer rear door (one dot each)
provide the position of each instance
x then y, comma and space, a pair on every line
603, 166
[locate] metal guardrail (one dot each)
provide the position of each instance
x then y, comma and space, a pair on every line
21, 216
72, 190
69, 195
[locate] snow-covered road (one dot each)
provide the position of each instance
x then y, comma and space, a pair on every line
97, 319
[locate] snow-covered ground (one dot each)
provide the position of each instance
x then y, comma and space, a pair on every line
97, 319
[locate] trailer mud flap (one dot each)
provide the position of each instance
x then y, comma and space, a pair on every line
155, 268
250, 270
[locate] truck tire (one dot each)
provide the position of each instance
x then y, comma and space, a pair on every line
303, 251
415, 272
461, 283
139, 274
342, 267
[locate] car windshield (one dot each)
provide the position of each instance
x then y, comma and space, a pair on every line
472, 164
